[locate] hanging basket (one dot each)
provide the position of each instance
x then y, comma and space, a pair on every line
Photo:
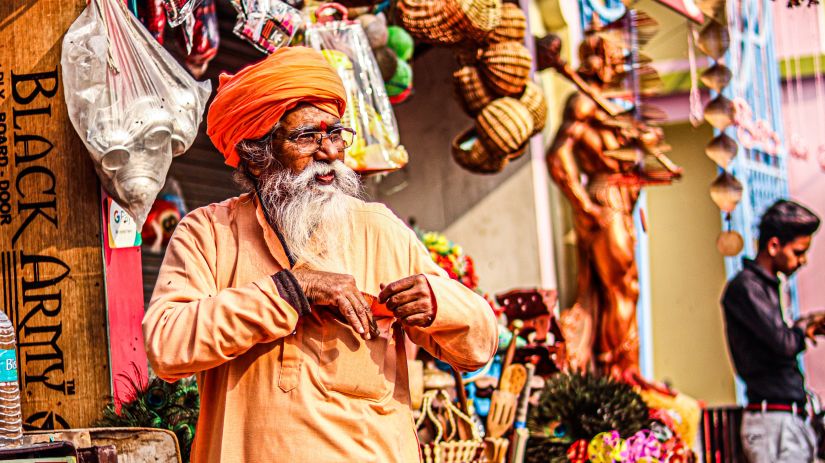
504, 126
506, 67
513, 25
469, 153
431, 21
472, 93
533, 99
478, 18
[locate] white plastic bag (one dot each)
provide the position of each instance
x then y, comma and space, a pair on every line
131, 103
344, 44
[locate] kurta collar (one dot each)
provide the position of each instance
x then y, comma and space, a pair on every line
273, 243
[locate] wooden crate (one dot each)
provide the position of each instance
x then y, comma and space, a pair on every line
134, 445
50, 225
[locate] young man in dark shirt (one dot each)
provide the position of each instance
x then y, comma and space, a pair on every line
764, 347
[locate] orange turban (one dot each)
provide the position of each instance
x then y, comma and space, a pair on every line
249, 103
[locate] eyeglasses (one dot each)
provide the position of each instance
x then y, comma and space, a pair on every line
310, 142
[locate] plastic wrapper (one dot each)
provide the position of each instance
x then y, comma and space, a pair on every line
201, 41
153, 15
266, 24
133, 106
376, 147
178, 10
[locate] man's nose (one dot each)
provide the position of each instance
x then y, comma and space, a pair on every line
328, 151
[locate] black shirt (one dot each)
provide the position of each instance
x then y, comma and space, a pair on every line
763, 347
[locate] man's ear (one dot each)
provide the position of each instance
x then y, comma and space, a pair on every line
773, 246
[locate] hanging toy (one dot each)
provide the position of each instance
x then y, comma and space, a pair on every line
202, 39
401, 42
266, 24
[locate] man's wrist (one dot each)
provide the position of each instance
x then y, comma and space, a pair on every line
290, 290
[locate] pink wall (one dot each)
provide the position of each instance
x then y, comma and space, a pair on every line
796, 30
804, 118
798, 34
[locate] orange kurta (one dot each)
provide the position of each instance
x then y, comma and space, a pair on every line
276, 387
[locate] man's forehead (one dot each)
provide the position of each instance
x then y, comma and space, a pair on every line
309, 117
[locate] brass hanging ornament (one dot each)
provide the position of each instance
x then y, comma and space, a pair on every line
716, 77
714, 40
720, 112
726, 192
721, 150
730, 243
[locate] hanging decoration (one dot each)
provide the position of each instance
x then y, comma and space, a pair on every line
200, 37
798, 146
198, 32
493, 79
178, 10
133, 106
266, 24
798, 3
722, 113
345, 45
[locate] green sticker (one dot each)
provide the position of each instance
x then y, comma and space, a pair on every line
8, 366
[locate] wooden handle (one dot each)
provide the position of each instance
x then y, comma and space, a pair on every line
463, 432
524, 402
511, 348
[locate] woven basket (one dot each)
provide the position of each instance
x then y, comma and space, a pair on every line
470, 154
519, 153
478, 18
504, 126
513, 25
533, 99
506, 67
472, 93
431, 21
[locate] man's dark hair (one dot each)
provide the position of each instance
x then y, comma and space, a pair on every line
787, 221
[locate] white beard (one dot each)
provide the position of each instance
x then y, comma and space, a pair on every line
312, 218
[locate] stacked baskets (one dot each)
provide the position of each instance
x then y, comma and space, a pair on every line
493, 81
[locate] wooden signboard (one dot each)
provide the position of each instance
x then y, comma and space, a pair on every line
50, 225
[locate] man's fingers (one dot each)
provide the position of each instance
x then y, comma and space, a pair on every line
404, 297
396, 287
359, 296
421, 319
362, 312
346, 308
412, 308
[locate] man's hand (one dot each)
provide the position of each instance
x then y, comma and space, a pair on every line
410, 299
338, 291
813, 326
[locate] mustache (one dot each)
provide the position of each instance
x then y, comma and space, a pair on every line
338, 168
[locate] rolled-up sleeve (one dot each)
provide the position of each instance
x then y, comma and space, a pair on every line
464, 332
192, 326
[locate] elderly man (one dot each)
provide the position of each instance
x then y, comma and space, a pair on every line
269, 298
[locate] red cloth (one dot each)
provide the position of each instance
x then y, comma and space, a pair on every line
249, 103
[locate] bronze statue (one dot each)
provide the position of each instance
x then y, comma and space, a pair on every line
596, 139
